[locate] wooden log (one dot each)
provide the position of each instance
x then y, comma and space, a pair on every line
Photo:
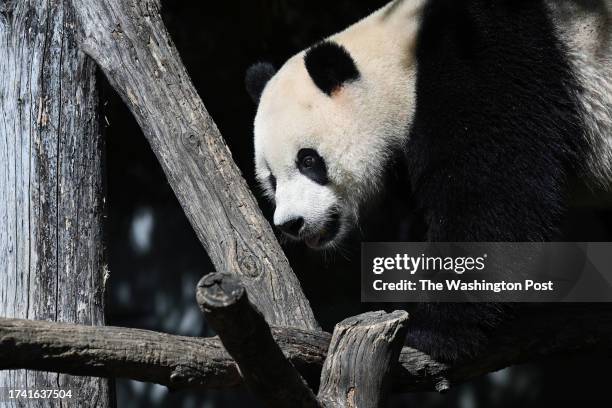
189, 362
362, 356
51, 187
247, 337
177, 362
128, 40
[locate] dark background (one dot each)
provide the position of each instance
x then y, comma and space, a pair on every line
156, 260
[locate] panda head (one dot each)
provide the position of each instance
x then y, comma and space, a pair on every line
329, 121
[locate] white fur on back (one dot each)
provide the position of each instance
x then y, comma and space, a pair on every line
585, 27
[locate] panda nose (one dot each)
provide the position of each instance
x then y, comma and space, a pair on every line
292, 227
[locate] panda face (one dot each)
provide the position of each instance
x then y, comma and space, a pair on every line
328, 123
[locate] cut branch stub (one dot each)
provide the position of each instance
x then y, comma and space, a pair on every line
362, 355
248, 339
217, 291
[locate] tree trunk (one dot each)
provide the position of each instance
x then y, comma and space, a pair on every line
51, 190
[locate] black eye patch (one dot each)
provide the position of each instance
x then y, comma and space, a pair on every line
310, 164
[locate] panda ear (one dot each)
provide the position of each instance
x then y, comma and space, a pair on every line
256, 78
330, 66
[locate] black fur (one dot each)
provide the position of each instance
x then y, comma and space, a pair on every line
494, 140
272, 181
330, 66
256, 78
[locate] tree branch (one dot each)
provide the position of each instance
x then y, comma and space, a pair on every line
363, 351
128, 40
181, 362
248, 339
173, 361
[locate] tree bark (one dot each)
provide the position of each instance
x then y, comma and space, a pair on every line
51, 192
128, 40
174, 361
189, 362
247, 338
362, 355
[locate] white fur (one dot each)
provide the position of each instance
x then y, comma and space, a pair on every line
354, 131
585, 28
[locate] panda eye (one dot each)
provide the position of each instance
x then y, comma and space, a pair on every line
308, 162
312, 165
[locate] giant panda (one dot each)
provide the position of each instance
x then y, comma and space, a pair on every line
480, 113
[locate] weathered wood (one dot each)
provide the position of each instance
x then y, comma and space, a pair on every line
174, 361
362, 356
247, 337
51, 195
128, 40
180, 362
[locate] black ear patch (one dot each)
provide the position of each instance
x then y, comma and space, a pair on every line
330, 66
256, 78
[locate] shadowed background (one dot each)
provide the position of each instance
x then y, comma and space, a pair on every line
156, 260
